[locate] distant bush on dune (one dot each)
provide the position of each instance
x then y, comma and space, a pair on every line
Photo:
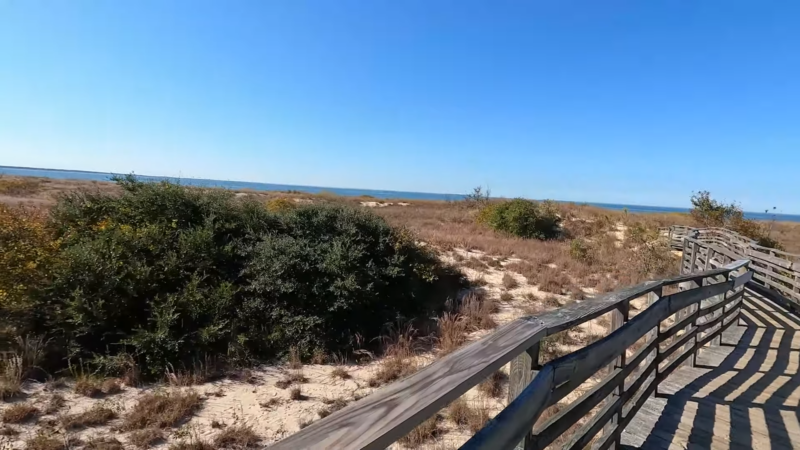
522, 218
172, 275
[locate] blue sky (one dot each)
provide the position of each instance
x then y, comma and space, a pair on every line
636, 102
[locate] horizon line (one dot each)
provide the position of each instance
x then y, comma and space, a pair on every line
353, 188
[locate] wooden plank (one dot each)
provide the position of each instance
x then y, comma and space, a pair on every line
380, 419
523, 370
757, 255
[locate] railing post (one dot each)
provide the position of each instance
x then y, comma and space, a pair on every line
523, 369
686, 312
618, 318
653, 334
684, 255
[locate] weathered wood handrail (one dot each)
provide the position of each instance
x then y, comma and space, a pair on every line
773, 269
561, 376
382, 418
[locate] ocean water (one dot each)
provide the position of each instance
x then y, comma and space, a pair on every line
100, 176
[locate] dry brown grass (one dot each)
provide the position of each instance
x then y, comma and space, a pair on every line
493, 386
471, 415
551, 302
341, 373
19, 186
423, 433
400, 348
459, 412
103, 443
553, 280
452, 332
96, 416
333, 405
236, 437
449, 226
509, 282
161, 410
111, 386
19, 413
50, 441
474, 264
477, 309
88, 386
294, 362
55, 403
296, 393
145, 438
319, 357
291, 378
194, 443
12, 372
506, 297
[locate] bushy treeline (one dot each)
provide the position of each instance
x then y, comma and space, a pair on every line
169, 275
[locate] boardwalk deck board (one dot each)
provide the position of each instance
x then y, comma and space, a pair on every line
743, 394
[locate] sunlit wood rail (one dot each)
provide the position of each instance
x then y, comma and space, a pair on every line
709, 362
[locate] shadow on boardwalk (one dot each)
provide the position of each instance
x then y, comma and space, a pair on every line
743, 394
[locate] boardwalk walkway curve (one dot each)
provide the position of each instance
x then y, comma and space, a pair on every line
711, 357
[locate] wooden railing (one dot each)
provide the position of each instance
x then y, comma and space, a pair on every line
683, 314
773, 269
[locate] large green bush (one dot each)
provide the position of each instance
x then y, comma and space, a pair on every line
523, 218
333, 272
172, 275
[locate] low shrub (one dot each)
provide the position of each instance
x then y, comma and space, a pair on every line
166, 276
580, 250
161, 410
522, 218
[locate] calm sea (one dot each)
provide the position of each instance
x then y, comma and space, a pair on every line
100, 176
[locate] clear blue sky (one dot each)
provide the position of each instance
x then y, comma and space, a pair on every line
612, 101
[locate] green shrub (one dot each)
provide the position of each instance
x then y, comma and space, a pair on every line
335, 271
174, 276
522, 218
580, 250
27, 251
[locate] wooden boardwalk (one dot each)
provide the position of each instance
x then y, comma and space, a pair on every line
743, 394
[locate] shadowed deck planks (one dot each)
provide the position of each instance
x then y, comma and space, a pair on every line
743, 394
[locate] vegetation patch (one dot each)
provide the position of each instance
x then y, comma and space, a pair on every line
423, 433
237, 437
145, 438
19, 413
161, 410
522, 218
172, 274
103, 443
96, 416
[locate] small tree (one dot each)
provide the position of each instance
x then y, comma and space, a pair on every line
708, 212
478, 196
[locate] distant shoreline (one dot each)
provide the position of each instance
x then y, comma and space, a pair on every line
348, 192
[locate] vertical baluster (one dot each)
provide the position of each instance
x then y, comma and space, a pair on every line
618, 318
523, 369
